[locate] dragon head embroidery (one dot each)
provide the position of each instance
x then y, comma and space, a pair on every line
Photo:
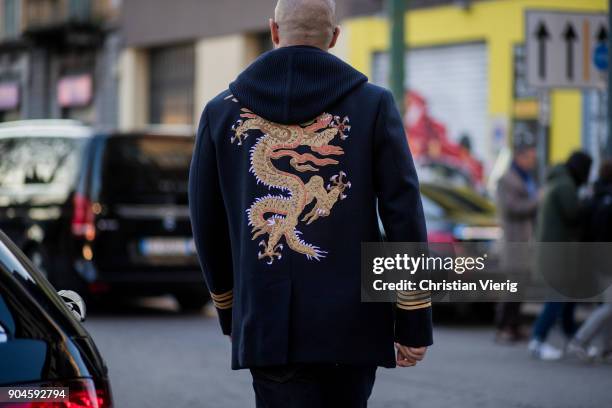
274, 217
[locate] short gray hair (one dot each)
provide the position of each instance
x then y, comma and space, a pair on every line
306, 22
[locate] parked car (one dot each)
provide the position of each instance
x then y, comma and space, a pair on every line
458, 214
461, 215
101, 212
42, 344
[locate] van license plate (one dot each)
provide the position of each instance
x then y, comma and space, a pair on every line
167, 247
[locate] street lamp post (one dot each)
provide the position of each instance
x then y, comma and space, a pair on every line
397, 11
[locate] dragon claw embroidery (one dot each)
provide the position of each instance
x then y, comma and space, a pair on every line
342, 124
275, 217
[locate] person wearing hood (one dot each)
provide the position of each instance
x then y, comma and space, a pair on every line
561, 218
289, 167
599, 229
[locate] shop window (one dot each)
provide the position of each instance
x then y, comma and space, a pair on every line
171, 84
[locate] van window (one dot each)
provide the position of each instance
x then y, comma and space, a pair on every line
29, 164
147, 169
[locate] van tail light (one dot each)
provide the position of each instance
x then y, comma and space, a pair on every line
83, 393
98, 287
441, 237
83, 218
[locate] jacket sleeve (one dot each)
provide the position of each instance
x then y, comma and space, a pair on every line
569, 204
401, 212
512, 203
209, 224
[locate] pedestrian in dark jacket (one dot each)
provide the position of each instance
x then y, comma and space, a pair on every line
517, 204
599, 207
289, 166
599, 229
560, 219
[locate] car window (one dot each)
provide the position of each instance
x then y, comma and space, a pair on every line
14, 262
24, 352
6, 318
32, 164
147, 169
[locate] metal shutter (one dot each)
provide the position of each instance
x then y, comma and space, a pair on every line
453, 79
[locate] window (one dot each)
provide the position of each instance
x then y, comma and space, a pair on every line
264, 41
11, 18
28, 164
22, 296
80, 9
43, 12
148, 168
521, 86
171, 84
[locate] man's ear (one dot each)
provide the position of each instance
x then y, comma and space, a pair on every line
274, 32
334, 37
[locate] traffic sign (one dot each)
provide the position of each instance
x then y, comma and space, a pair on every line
566, 50
600, 57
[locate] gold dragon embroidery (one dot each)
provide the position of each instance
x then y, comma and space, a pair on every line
277, 216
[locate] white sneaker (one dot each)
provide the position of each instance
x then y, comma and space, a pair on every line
544, 351
593, 353
576, 349
533, 345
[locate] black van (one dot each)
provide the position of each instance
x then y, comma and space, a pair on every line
101, 212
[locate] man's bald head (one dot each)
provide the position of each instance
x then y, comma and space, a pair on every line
306, 22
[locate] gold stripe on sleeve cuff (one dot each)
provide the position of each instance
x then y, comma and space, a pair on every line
223, 300
413, 293
419, 296
413, 302
413, 307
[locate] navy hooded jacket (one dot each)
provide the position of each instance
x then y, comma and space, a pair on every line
288, 166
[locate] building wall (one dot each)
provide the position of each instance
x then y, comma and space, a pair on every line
188, 20
500, 24
195, 19
133, 89
107, 84
218, 61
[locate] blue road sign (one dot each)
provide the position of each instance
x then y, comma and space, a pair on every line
600, 56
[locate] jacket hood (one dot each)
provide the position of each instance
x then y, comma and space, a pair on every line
292, 85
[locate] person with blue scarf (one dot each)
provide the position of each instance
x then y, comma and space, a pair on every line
517, 203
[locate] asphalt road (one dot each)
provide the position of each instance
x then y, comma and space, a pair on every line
158, 357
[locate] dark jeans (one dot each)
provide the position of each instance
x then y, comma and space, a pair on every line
313, 386
552, 312
509, 316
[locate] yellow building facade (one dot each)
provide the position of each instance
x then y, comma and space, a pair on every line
500, 24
